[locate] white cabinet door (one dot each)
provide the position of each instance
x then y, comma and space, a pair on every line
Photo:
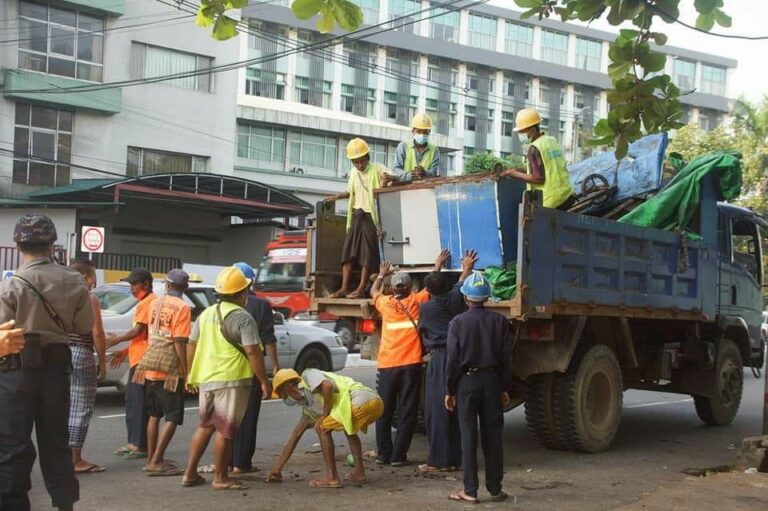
409, 218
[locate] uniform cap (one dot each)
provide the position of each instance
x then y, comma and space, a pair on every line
138, 275
34, 229
282, 377
421, 121
357, 148
178, 276
526, 118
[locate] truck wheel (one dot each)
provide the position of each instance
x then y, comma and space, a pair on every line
313, 358
722, 408
540, 410
589, 399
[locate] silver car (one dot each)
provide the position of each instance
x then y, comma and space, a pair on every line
300, 345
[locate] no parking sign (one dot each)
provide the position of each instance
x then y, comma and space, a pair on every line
92, 239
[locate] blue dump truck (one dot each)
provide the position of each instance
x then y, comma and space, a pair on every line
600, 306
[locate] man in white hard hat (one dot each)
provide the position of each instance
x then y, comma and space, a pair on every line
546, 168
417, 158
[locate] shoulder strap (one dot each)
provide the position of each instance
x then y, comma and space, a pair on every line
225, 333
402, 308
48, 307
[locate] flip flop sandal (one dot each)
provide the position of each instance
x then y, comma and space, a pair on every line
461, 497
134, 455
193, 482
93, 469
232, 486
166, 473
122, 450
427, 469
318, 484
498, 498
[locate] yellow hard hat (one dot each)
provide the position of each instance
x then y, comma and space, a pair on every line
526, 118
230, 281
357, 148
421, 121
282, 377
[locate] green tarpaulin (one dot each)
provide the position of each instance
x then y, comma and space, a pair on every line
674, 206
503, 282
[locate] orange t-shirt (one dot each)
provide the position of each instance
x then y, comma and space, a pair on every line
169, 317
138, 345
400, 342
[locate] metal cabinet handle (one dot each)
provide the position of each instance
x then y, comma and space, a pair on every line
393, 241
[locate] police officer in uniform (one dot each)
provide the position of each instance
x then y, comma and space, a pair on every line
49, 302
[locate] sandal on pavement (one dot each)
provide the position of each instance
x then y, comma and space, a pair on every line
498, 497
91, 469
122, 450
165, 473
231, 485
315, 483
463, 497
134, 455
197, 481
426, 469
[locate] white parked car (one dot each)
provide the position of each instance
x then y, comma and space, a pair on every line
300, 345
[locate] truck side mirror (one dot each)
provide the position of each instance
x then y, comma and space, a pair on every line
278, 318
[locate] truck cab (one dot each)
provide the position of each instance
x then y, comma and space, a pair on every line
280, 277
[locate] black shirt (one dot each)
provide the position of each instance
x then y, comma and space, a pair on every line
436, 314
478, 338
261, 310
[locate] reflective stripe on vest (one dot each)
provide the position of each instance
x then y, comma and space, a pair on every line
556, 187
426, 157
215, 358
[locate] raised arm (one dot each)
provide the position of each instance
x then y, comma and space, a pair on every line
468, 264
384, 270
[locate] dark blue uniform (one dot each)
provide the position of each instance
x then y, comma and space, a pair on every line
245, 439
478, 372
442, 426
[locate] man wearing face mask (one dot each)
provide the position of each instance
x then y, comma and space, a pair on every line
361, 244
419, 158
546, 168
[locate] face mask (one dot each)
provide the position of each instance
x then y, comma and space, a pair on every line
420, 138
306, 396
523, 138
141, 294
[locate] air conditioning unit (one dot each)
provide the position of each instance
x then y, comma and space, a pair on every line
297, 170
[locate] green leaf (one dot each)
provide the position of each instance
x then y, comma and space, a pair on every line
224, 28
668, 10
618, 70
601, 141
704, 6
305, 9
530, 13
602, 129
659, 38
653, 62
723, 19
236, 4
348, 15
528, 4
206, 15
626, 33
705, 21
326, 21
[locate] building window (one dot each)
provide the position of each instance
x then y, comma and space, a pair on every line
452, 115
507, 124
578, 98
519, 40
379, 152
260, 143
482, 31
42, 142
347, 98
390, 105
61, 41
370, 10
444, 26
470, 118
468, 151
554, 47
403, 14
704, 122
472, 82
259, 82
544, 94
313, 150
301, 92
588, 54
158, 61
713, 80
684, 74
142, 162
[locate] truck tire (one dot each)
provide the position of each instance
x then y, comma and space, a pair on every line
313, 358
540, 410
588, 399
721, 409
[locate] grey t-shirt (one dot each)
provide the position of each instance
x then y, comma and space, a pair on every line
244, 331
314, 378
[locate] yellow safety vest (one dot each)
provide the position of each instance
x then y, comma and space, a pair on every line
215, 358
426, 157
556, 187
341, 406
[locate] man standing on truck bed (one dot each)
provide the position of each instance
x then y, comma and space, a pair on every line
399, 361
546, 167
361, 244
419, 158
478, 373
434, 317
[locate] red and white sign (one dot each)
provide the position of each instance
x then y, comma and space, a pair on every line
92, 239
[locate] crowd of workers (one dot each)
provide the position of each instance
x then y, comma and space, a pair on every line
53, 353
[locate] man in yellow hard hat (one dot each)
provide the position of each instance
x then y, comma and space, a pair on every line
546, 168
330, 402
224, 353
361, 244
418, 158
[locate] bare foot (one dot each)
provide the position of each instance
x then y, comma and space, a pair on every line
356, 477
341, 293
229, 484
325, 483
354, 295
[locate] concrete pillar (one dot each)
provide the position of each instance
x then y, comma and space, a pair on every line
464, 27
496, 102
571, 58
461, 101
423, 72
501, 31
381, 63
605, 59
697, 76
536, 43
338, 73
293, 37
